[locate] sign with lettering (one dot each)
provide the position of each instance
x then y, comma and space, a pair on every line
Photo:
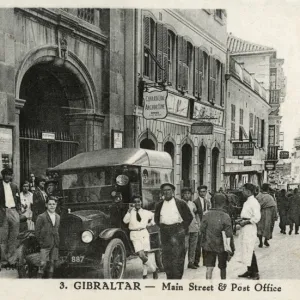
247, 163
243, 149
205, 111
202, 128
284, 154
270, 165
48, 136
178, 105
6, 147
155, 105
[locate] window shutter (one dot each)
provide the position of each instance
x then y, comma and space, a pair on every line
262, 133
209, 78
185, 66
201, 71
196, 75
147, 32
159, 51
179, 62
258, 133
165, 53
223, 85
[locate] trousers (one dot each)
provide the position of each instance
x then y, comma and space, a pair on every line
253, 268
173, 249
191, 240
9, 232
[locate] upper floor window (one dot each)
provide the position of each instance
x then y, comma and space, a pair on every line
271, 135
219, 13
199, 73
241, 116
182, 66
273, 78
171, 58
212, 80
251, 134
190, 65
232, 134
149, 48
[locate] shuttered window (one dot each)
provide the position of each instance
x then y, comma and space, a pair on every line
199, 65
182, 64
251, 134
162, 55
212, 80
241, 116
223, 85
232, 135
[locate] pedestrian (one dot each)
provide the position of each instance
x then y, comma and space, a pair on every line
138, 219
39, 198
268, 212
173, 216
191, 237
46, 231
250, 216
26, 204
10, 209
294, 212
214, 222
283, 208
202, 203
32, 183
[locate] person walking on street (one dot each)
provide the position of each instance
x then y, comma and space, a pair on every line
283, 208
10, 209
26, 204
191, 238
173, 216
214, 222
46, 231
138, 219
39, 198
250, 216
294, 212
268, 210
203, 204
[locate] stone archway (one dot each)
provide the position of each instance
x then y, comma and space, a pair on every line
60, 98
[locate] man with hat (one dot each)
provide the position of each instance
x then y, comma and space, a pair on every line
173, 216
39, 198
10, 208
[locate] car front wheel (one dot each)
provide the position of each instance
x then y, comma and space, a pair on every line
114, 261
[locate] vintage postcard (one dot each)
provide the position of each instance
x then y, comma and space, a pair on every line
150, 149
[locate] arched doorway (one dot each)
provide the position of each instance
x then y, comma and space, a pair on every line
169, 148
186, 164
214, 168
54, 95
202, 165
147, 144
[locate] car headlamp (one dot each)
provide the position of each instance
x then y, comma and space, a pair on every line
87, 236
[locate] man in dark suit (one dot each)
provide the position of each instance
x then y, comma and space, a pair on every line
202, 205
173, 216
39, 198
46, 231
10, 208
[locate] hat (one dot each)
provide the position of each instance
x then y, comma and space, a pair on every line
51, 180
186, 189
169, 184
40, 179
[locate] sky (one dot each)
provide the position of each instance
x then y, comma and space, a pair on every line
277, 26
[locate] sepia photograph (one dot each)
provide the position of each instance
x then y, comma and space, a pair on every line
158, 143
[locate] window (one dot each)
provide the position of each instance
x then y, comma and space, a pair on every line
171, 57
149, 48
241, 116
251, 134
219, 13
199, 65
205, 76
258, 128
183, 70
271, 135
212, 80
232, 135
190, 65
273, 77
262, 128
162, 39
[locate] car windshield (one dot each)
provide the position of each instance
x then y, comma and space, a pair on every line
88, 185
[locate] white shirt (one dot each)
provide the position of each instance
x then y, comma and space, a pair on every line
251, 210
202, 204
26, 199
9, 198
169, 213
52, 217
134, 224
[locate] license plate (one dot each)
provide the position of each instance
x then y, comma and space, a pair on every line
77, 259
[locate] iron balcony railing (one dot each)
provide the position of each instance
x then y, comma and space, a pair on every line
272, 153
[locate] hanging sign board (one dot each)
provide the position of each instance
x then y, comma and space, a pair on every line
243, 149
284, 154
204, 128
247, 163
155, 105
270, 165
48, 136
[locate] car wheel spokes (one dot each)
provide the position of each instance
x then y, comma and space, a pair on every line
117, 262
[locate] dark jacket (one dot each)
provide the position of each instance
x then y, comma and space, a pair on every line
183, 209
38, 205
45, 232
200, 209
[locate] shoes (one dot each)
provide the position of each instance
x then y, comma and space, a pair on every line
283, 232
245, 275
155, 275
296, 232
191, 266
267, 244
290, 232
260, 245
197, 265
255, 276
145, 276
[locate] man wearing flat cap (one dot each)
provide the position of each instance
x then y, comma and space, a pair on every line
10, 207
173, 216
39, 198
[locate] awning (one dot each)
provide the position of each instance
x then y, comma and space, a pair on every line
244, 132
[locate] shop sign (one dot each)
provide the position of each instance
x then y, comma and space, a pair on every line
284, 154
6, 147
202, 111
155, 105
204, 128
247, 163
117, 138
178, 105
48, 136
270, 165
243, 149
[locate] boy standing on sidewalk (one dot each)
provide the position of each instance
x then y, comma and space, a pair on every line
213, 223
46, 230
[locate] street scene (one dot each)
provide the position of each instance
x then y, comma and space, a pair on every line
148, 144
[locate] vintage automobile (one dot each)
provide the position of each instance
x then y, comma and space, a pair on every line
96, 189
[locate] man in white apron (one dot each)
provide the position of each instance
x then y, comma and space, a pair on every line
250, 216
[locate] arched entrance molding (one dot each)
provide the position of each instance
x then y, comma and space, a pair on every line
147, 134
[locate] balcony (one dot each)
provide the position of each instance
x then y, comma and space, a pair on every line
274, 96
272, 153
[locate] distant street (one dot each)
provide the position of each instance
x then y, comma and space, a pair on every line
280, 261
